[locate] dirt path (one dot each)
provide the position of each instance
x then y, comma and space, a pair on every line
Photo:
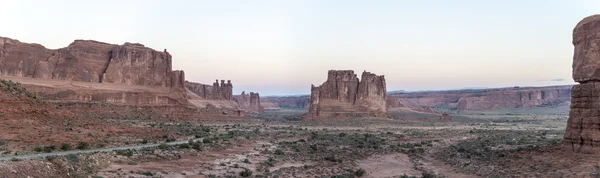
443, 169
392, 165
43, 155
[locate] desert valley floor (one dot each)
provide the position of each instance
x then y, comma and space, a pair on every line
491, 143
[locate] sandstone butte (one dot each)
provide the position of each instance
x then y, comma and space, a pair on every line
87, 70
583, 128
249, 102
344, 95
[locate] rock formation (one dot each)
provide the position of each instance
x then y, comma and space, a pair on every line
484, 99
343, 94
90, 61
129, 74
268, 105
248, 102
289, 101
446, 117
224, 91
583, 128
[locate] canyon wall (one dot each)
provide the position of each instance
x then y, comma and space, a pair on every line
289, 101
223, 91
248, 102
86, 70
343, 94
583, 128
484, 99
90, 61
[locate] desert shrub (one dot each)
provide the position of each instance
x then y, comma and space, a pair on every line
144, 141
65, 147
246, 161
360, 172
73, 158
48, 149
428, 175
206, 140
197, 145
342, 134
279, 152
270, 162
163, 146
246, 173
147, 173
184, 146
38, 149
83, 145
2, 141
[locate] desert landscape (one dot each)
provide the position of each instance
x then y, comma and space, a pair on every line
100, 110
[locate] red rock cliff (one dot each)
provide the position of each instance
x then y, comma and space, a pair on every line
583, 128
289, 101
249, 102
90, 61
343, 94
485, 99
224, 91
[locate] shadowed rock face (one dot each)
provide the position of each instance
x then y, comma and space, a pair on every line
224, 91
249, 102
343, 94
90, 61
583, 129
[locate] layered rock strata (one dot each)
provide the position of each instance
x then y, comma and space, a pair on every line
343, 94
483, 99
90, 61
223, 91
583, 128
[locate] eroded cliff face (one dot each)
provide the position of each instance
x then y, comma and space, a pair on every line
248, 102
500, 98
90, 61
583, 128
343, 94
289, 101
224, 91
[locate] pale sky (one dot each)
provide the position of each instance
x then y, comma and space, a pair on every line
281, 47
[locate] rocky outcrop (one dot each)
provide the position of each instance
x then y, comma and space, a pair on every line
583, 128
90, 61
268, 105
248, 102
484, 99
343, 94
224, 91
289, 101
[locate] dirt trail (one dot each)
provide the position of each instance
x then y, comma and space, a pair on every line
392, 165
443, 169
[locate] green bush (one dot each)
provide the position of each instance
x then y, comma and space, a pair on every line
246, 173
279, 152
83, 145
73, 158
360, 172
163, 146
65, 147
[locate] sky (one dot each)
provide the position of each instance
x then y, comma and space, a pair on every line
281, 47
